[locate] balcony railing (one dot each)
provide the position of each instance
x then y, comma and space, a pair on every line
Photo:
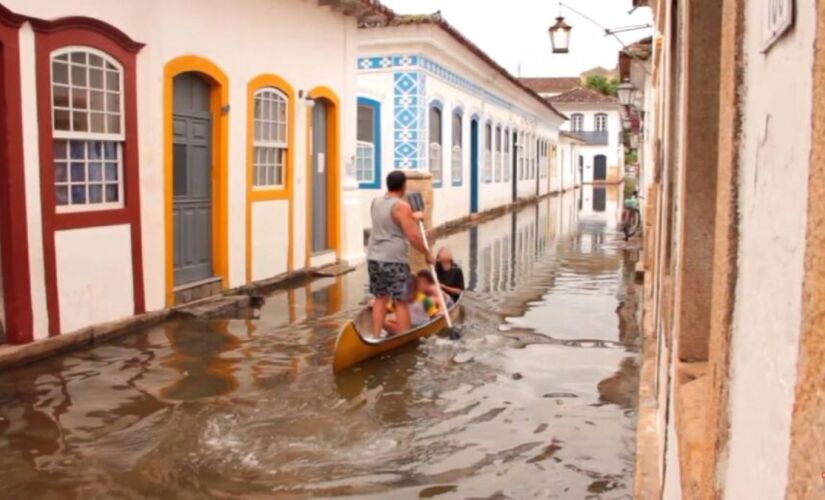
593, 137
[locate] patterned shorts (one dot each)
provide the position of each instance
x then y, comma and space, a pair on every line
389, 279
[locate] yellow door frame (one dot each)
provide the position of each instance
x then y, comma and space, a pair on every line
333, 169
219, 99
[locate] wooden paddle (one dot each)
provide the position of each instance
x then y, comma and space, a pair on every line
416, 201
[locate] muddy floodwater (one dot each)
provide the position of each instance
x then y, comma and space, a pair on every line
535, 400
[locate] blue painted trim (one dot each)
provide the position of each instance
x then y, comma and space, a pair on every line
460, 112
376, 126
474, 146
408, 62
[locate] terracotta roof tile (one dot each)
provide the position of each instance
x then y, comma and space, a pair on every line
583, 95
552, 85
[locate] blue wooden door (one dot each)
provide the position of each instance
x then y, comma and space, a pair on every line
600, 168
474, 166
514, 177
192, 179
320, 172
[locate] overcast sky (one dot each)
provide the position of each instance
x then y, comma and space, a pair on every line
514, 32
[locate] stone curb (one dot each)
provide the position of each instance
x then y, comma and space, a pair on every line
12, 356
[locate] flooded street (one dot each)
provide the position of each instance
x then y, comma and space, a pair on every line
536, 400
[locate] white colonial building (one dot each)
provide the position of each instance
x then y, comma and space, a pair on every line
430, 100
596, 119
158, 151
568, 159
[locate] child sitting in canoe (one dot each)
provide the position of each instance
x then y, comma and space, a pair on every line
422, 307
426, 284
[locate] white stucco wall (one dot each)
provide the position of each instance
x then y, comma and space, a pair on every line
523, 113
31, 159
270, 239
266, 38
567, 158
773, 190
94, 284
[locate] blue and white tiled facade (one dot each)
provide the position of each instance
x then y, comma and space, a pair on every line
409, 119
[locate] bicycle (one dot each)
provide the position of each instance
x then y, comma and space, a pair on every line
631, 222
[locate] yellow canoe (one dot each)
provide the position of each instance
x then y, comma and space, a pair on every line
352, 347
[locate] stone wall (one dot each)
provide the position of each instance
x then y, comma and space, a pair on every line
806, 478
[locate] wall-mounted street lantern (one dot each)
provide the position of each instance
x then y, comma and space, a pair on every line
627, 93
560, 36
560, 32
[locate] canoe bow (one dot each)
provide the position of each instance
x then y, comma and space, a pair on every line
352, 347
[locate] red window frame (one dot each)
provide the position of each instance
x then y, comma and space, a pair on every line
14, 244
93, 33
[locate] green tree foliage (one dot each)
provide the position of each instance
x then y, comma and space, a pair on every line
602, 84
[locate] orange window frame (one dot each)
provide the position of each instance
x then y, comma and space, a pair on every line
254, 194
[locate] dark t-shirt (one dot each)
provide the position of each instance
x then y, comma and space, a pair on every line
453, 278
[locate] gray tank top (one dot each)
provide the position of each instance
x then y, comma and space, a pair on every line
387, 241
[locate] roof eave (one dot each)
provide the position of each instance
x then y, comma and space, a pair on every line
365, 11
461, 39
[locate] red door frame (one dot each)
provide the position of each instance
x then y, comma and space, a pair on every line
14, 244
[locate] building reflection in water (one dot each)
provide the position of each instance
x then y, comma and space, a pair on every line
197, 356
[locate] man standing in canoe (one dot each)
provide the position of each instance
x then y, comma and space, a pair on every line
394, 224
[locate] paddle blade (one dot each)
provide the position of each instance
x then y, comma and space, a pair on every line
416, 201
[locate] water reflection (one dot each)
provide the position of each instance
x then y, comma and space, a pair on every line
536, 399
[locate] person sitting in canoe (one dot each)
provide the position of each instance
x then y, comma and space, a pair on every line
421, 306
393, 230
426, 284
449, 273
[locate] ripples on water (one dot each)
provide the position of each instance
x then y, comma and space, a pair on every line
536, 400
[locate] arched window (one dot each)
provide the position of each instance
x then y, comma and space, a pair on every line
542, 159
488, 153
521, 152
531, 167
368, 145
270, 141
600, 122
577, 122
497, 157
436, 156
457, 164
87, 129
505, 176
